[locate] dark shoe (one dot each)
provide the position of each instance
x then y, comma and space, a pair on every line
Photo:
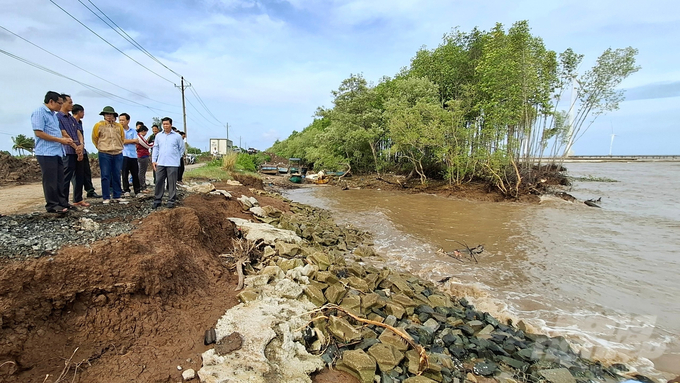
93, 195
59, 211
170, 205
70, 207
156, 205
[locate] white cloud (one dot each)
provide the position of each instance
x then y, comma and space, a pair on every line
265, 70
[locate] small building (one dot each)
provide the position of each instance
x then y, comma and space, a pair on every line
220, 146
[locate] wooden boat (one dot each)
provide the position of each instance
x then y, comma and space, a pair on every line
283, 170
269, 169
296, 179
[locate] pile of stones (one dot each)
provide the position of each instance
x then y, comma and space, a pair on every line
461, 344
36, 235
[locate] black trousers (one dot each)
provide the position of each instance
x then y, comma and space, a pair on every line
130, 166
87, 179
181, 170
52, 168
74, 169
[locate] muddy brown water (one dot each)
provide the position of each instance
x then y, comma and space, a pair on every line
605, 278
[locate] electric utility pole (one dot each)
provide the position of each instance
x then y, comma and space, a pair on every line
228, 145
184, 107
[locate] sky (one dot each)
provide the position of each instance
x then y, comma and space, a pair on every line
264, 67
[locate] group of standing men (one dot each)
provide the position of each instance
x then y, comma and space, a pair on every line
60, 151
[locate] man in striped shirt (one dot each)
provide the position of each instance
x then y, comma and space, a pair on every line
49, 152
73, 165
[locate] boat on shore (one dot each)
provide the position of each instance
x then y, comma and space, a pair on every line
269, 169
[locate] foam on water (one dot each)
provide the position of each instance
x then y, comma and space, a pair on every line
558, 266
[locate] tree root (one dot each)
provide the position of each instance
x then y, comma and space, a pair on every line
423, 363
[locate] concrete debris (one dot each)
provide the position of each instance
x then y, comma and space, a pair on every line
88, 224
221, 192
188, 375
201, 188
265, 232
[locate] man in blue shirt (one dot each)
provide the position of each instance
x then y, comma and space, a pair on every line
129, 156
168, 149
49, 152
73, 161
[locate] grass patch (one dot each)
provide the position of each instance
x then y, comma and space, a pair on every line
229, 161
211, 171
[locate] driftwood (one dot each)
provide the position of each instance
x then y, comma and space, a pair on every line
593, 202
423, 362
243, 251
471, 252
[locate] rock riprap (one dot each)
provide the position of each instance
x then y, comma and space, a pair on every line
377, 324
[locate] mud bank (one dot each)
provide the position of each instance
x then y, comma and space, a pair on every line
135, 307
474, 190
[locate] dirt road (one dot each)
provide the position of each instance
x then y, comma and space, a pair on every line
28, 198
23, 199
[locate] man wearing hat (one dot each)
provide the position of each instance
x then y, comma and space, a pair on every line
108, 137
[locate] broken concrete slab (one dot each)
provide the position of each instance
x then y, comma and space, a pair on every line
264, 356
268, 234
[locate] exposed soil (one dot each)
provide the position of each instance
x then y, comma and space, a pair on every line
14, 170
248, 180
129, 308
135, 306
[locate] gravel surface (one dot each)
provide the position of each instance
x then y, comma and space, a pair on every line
42, 234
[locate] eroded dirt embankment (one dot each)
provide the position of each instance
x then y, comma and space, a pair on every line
134, 306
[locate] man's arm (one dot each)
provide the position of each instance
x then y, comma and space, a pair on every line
48, 137
80, 150
95, 135
66, 135
155, 153
181, 147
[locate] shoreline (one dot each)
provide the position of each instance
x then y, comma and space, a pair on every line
204, 213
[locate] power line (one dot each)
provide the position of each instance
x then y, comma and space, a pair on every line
121, 32
204, 106
124, 34
93, 88
84, 70
106, 41
200, 114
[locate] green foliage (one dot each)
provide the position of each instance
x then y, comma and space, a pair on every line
260, 158
23, 143
482, 105
244, 162
192, 150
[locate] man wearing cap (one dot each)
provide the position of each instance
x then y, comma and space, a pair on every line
49, 151
168, 149
108, 137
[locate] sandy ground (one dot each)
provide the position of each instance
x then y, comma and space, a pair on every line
29, 198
